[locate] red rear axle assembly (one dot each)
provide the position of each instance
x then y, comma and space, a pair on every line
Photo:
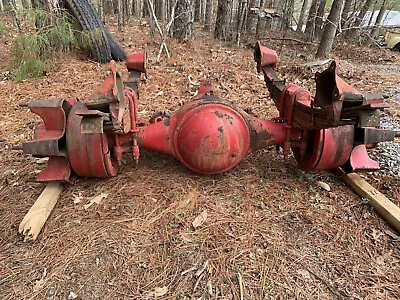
209, 135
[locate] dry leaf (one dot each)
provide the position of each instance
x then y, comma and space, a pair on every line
186, 237
97, 199
78, 198
189, 200
304, 273
40, 283
158, 292
324, 186
200, 219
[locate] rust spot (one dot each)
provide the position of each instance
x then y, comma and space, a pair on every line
342, 139
218, 114
221, 129
221, 116
139, 141
261, 139
167, 137
167, 121
233, 155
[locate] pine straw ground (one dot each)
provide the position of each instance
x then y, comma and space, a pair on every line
270, 232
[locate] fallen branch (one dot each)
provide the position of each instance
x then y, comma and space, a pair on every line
221, 84
240, 279
291, 39
191, 82
163, 35
34, 220
163, 44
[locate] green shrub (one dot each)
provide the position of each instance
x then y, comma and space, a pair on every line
44, 35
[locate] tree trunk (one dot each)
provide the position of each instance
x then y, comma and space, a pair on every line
372, 12
138, 8
124, 6
222, 25
310, 25
197, 10
160, 10
203, 11
269, 22
183, 25
260, 29
100, 9
379, 19
287, 14
233, 18
151, 21
345, 13
119, 14
208, 15
129, 9
302, 16
251, 17
242, 14
319, 21
325, 46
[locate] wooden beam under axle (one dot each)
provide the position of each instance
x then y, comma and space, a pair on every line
383, 206
34, 220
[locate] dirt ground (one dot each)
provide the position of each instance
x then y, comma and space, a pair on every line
270, 232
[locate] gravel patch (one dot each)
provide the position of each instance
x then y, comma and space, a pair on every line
387, 154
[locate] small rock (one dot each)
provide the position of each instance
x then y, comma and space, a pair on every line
43, 160
72, 296
50, 294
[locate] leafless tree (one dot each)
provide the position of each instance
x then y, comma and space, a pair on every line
241, 21
310, 25
197, 10
184, 22
319, 21
222, 25
355, 27
379, 19
251, 17
345, 13
302, 16
261, 22
120, 14
209, 12
328, 37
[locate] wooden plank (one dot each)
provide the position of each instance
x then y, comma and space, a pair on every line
383, 206
34, 220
